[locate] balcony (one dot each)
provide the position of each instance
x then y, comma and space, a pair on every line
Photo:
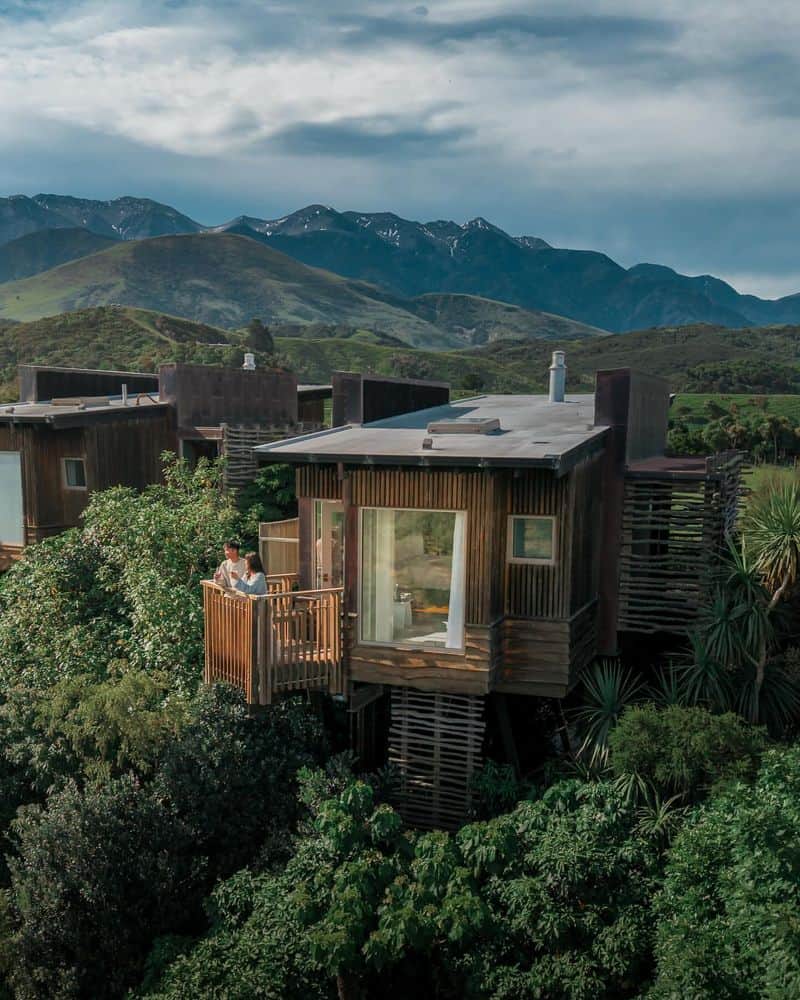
282, 642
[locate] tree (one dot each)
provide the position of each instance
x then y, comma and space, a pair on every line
684, 751
99, 871
259, 337
727, 914
549, 900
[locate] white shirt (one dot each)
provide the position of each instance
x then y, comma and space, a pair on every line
229, 566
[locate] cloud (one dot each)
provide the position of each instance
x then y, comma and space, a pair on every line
661, 133
381, 136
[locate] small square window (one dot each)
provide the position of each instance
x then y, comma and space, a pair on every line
532, 540
75, 473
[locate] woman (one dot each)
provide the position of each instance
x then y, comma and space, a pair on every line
253, 581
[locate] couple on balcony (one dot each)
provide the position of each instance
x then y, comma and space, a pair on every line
245, 575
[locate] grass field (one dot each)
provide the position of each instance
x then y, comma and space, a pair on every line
779, 406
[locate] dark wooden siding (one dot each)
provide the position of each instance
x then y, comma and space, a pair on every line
585, 532
544, 657
318, 482
119, 452
470, 672
541, 591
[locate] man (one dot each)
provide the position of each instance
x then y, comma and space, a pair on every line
231, 564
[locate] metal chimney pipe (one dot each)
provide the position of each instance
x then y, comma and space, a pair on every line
558, 377
124, 393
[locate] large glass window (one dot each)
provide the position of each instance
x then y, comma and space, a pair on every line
413, 577
12, 530
328, 543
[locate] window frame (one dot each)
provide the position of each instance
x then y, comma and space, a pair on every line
406, 645
65, 480
515, 560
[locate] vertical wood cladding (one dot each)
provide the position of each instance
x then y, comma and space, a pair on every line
120, 452
542, 591
480, 494
585, 532
318, 482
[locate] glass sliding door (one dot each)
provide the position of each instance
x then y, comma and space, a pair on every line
413, 577
328, 544
12, 526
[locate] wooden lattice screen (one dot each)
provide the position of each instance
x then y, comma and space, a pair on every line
673, 533
435, 742
238, 443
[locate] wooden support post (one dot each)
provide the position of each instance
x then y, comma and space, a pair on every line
506, 732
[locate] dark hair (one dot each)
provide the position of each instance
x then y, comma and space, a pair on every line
253, 561
232, 544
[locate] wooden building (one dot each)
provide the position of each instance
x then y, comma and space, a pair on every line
477, 550
75, 431
53, 455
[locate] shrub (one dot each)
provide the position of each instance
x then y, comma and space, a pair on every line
101, 871
727, 913
684, 751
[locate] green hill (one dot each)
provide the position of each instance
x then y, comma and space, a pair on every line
40, 251
225, 280
111, 337
698, 359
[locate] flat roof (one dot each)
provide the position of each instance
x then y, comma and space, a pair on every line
74, 412
533, 432
86, 371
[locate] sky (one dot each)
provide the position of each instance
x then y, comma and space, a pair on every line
663, 132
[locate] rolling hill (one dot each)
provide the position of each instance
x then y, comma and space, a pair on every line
47, 248
411, 259
697, 359
226, 279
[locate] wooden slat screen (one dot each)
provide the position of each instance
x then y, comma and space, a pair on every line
435, 742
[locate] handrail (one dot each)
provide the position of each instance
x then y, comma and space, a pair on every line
271, 643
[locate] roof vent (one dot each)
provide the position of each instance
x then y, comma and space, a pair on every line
249, 362
558, 377
477, 425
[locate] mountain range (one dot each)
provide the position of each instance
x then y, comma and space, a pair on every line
406, 259
226, 279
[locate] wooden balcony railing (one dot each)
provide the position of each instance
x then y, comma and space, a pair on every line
286, 641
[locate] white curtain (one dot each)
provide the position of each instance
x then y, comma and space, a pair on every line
377, 596
458, 573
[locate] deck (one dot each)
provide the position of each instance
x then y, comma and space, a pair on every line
286, 641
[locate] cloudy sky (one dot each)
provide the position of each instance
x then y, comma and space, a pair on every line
665, 132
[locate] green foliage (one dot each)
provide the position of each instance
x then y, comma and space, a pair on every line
727, 915
123, 588
86, 729
56, 617
771, 531
259, 337
608, 688
269, 497
551, 899
684, 751
100, 871
495, 789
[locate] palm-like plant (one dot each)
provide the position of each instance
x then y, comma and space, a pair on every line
771, 532
608, 689
706, 679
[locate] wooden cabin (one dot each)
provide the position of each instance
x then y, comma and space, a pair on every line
474, 551
75, 431
54, 454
